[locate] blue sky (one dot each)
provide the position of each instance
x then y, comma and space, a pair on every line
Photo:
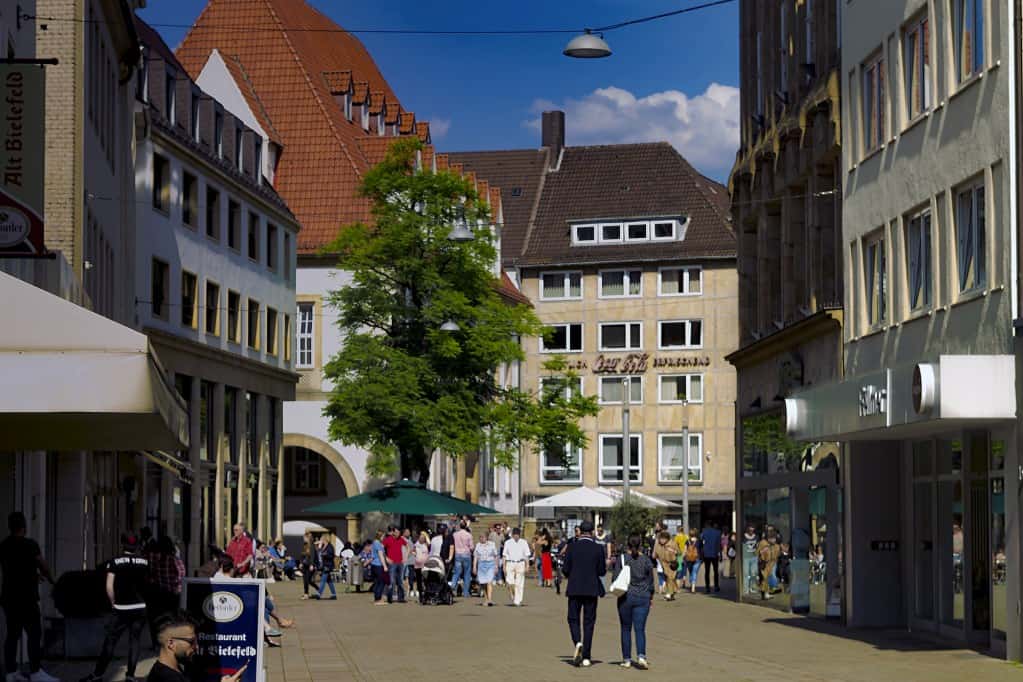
675, 79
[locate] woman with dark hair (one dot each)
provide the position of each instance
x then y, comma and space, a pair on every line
634, 605
546, 565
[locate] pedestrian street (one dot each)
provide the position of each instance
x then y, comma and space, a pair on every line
696, 637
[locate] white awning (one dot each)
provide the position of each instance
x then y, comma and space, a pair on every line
302, 527
596, 498
75, 380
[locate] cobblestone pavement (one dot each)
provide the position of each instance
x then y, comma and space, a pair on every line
697, 637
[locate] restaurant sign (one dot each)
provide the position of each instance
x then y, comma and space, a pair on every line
22, 150
636, 363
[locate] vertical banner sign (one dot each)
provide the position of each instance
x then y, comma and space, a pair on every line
230, 627
22, 150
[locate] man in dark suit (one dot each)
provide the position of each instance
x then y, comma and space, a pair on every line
585, 564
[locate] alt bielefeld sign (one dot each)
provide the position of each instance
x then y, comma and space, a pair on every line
230, 626
22, 150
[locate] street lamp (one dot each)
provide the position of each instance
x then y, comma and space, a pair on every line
685, 466
587, 46
461, 232
626, 440
450, 326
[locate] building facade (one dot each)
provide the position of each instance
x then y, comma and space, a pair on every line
321, 96
629, 258
216, 267
927, 410
786, 205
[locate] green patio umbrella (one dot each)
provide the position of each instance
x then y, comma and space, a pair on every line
402, 497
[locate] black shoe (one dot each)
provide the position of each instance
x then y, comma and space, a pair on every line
332, 597
314, 596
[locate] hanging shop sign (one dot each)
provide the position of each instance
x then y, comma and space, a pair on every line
22, 150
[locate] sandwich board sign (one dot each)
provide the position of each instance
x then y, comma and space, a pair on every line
229, 613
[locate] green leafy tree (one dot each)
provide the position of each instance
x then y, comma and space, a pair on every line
630, 518
402, 386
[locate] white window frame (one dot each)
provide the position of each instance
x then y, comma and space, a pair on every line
689, 388
305, 331
688, 269
600, 459
963, 12
916, 62
628, 336
689, 334
633, 380
872, 108
627, 281
919, 241
648, 227
568, 390
621, 233
544, 468
568, 338
575, 234
698, 466
653, 230
567, 275
977, 238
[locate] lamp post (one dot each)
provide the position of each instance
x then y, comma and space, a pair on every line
626, 440
685, 467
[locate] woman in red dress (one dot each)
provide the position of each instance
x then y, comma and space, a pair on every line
546, 566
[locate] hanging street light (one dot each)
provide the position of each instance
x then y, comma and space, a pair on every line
450, 326
587, 46
461, 232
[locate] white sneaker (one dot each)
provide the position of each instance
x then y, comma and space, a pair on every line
577, 657
586, 663
642, 664
42, 676
626, 664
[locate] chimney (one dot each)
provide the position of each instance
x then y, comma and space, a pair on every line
553, 135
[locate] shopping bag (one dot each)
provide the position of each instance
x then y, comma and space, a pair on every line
621, 584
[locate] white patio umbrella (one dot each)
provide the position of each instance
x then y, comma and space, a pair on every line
641, 498
302, 527
581, 497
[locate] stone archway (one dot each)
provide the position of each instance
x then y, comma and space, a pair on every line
326, 451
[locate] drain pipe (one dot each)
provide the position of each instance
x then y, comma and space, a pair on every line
1014, 140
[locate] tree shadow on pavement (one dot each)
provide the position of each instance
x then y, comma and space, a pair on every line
882, 639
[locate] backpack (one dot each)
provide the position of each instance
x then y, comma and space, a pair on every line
692, 551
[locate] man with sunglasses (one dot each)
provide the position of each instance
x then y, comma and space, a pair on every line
178, 641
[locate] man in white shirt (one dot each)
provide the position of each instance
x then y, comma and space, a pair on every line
516, 554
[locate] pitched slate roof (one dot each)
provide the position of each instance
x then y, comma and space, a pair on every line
519, 174
623, 181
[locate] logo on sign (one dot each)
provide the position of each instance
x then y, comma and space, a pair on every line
873, 401
14, 227
222, 607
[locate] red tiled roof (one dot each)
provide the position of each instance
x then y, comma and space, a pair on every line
320, 170
509, 292
338, 82
244, 83
423, 131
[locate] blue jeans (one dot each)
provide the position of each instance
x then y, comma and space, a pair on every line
750, 573
397, 575
463, 572
632, 614
326, 579
692, 570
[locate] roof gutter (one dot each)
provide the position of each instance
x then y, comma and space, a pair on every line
659, 259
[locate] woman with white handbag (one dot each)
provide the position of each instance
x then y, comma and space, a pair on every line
634, 587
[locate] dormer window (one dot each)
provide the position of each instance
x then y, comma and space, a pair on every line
628, 231
348, 106
365, 117
258, 161
193, 122
381, 126
170, 96
218, 133
238, 145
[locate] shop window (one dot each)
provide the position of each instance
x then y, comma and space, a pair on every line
562, 338
680, 388
561, 285
671, 458
561, 464
615, 336
612, 460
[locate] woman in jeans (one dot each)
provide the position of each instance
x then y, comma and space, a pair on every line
634, 605
693, 557
378, 565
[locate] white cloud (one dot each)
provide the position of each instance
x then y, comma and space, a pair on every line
704, 128
439, 127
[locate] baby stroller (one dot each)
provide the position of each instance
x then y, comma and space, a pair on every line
435, 583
